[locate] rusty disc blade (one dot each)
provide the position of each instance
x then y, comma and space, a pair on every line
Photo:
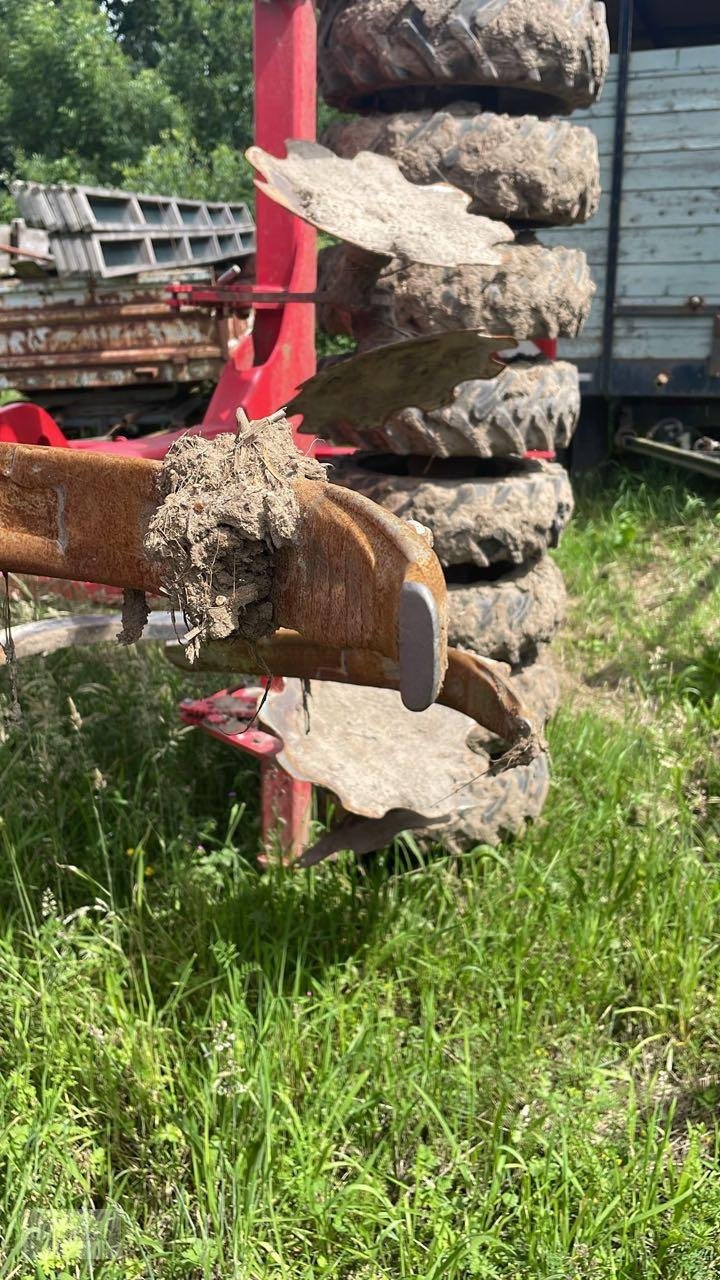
422, 373
369, 203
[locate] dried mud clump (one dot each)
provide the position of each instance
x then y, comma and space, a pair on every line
227, 506
135, 613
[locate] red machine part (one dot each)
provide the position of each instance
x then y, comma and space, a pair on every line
230, 717
25, 423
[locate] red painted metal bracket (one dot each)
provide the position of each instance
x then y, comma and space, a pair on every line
230, 717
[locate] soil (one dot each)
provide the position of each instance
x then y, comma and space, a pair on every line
369, 203
228, 505
135, 613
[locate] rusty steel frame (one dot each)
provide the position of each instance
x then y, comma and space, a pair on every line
354, 575
56, 336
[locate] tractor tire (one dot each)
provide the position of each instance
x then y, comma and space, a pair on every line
516, 168
558, 48
533, 404
494, 807
502, 804
480, 520
509, 618
534, 293
538, 687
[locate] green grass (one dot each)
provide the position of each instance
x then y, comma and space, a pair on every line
503, 1065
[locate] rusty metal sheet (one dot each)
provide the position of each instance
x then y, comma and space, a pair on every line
56, 335
365, 390
368, 202
428, 768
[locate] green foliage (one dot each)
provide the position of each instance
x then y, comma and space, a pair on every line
134, 23
10, 395
205, 57
69, 94
151, 97
501, 1066
177, 164
203, 50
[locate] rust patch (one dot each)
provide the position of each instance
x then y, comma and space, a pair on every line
32, 512
57, 334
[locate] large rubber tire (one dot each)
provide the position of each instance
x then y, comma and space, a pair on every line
538, 686
558, 48
510, 618
506, 802
533, 404
516, 168
479, 520
497, 807
535, 293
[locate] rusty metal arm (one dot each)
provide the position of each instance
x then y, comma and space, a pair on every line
356, 577
472, 685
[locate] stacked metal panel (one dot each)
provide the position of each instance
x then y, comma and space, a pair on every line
105, 233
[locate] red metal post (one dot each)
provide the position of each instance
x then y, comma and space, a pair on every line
285, 107
284, 337
284, 801
284, 810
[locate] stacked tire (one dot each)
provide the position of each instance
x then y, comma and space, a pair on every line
463, 91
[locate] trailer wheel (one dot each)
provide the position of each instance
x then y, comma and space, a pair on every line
533, 404
556, 49
535, 293
517, 168
510, 618
479, 520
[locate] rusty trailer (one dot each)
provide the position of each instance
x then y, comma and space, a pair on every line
59, 334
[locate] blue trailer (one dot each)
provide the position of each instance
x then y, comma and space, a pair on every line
651, 346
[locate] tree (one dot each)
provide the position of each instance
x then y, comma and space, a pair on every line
154, 95
68, 93
134, 26
203, 50
176, 165
205, 58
